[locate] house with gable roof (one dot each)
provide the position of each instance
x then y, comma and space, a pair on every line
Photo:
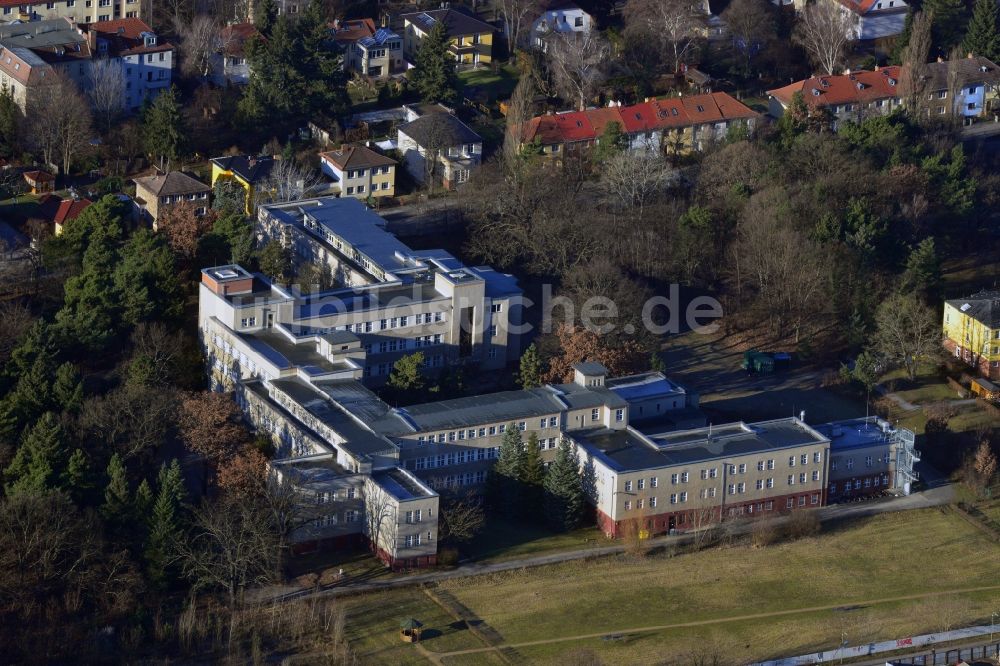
971, 329
228, 64
359, 171
146, 60
369, 51
874, 19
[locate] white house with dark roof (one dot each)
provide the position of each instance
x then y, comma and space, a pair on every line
147, 61
440, 148
874, 19
559, 17
358, 171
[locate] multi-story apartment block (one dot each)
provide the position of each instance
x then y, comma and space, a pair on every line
359, 171
872, 19
438, 147
471, 39
147, 61
868, 456
76, 11
156, 194
972, 331
370, 51
29, 50
676, 125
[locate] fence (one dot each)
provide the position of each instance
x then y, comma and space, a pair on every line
947, 657
935, 657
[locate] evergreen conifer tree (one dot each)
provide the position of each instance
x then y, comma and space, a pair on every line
435, 77
532, 478
530, 373
504, 482
947, 24
67, 389
265, 17
564, 498
163, 130
39, 461
78, 477
117, 502
164, 524
982, 38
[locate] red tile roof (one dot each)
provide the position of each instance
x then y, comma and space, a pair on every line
657, 114
233, 37
38, 176
861, 7
69, 209
353, 30
125, 36
861, 86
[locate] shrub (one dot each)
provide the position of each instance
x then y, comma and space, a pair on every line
802, 523
447, 557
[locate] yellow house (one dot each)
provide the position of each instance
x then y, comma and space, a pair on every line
471, 39
972, 331
249, 171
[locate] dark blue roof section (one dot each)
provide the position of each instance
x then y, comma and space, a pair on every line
381, 36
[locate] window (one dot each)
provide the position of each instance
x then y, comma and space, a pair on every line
249, 321
350, 190
850, 463
673, 498
493, 430
802, 477
502, 427
628, 505
805, 458
578, 22
791, 479
493, 331
770, 463
619, 415
628, 486
743, 468
684, 477
833, 465
790, 503
496, 307
704, 473
791, 461
521, 426
350, 493
652, 502
760, 484
684, 497
868, 461
770, 483
802, 500
673, 478
732, 488
760, 465
816, 476
595, 414
652, 482
741, 487
815, 498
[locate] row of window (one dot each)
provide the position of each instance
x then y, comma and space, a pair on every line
455, 458
331, 519
358, 173
177, 198
360, 189
394, 322
402, 344
868, 483
412, 540
385, 369
472, 433
849, 462
459, 480
324, 497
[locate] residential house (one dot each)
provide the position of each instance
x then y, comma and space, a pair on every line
440, 148
369, 51
966, 87
874, 19
972, 331
155, 195
147, 61
559, 17
59, 212
229, 66
360, 172
75, 11
39, 182
676, 125
248, 171
471, 38
852, 96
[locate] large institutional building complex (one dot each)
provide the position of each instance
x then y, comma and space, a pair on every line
300, 366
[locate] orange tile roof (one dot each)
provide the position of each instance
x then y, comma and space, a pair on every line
353, 30
861, 86
69, 209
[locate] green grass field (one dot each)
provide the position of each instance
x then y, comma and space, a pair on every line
496, 85
851, 567
504, 540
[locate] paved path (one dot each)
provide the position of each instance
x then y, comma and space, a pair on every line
722, 620
935, 496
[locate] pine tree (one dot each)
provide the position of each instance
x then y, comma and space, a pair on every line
147, 280
67, 389
902, 39
117, 504
531, 370
78, 478
9, 116
923, 270
564, 498
90, 307
435, 77
532, 478
504, 483
265, 17
164, 524
983, 36
163, 130
39, 461
142, 502
321, 64
406, 377
947, 26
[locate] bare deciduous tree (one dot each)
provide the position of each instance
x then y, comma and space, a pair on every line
62, 121
462, 518
636, 178
751, 25
107, 90
380, 523
824, 30
518, 115
199, 41
577, 63
515, 14
907, 332
913, 79
672, 24
286, 182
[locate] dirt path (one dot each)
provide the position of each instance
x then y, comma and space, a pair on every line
736, 618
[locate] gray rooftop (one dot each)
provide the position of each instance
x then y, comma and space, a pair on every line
401, 485
40, 34
643, 386
631, 450
440, 129
983, 306
858, 433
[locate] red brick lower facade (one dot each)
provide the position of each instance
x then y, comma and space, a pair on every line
975, 360
353, 541
683, 521
401, 564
